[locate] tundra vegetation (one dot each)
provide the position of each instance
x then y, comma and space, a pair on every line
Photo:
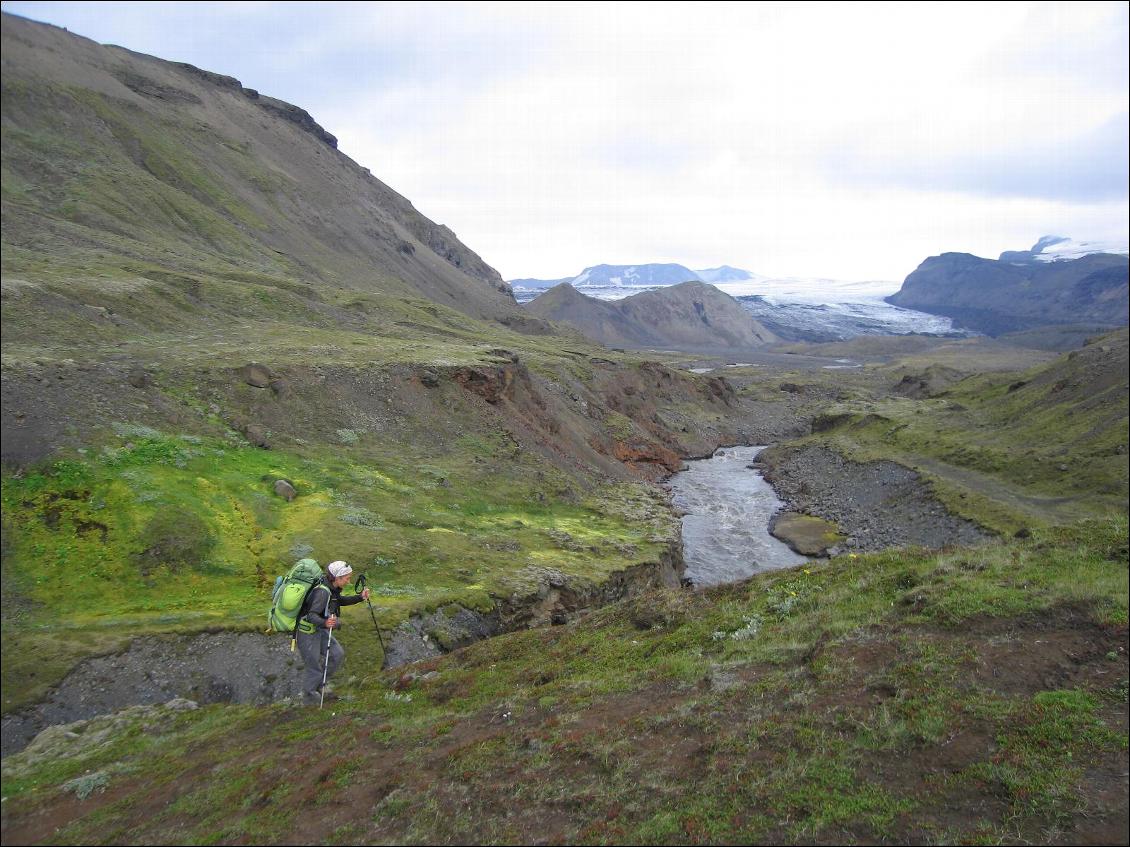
203, 298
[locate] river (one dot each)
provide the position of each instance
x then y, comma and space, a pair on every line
726, 527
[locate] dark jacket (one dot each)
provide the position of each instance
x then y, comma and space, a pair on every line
316, 610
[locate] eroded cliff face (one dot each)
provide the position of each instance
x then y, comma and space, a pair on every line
541, 597
591, 415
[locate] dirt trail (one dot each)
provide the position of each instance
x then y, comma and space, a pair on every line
1041, 509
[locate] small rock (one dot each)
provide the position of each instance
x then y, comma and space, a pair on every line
256, 375
140, 378
256, 435
430, 379
285, 489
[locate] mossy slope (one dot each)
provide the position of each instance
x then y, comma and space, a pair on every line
858, 701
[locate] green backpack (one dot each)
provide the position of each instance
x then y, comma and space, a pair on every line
289, 595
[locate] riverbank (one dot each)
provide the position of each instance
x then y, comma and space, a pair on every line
874, 505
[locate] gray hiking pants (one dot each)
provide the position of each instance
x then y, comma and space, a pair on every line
312, 646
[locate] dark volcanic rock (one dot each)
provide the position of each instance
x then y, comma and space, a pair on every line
424, 636
998, 297
140, 378
257, 435
256, 375
227, 667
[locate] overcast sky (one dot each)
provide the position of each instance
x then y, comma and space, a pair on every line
848, 141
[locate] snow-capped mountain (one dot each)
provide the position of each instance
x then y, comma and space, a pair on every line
634, 275
725, 273
1060, 248
611, 282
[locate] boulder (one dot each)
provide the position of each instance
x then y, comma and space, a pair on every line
805, 534
140, 378
256, 375
257, 435
285, 489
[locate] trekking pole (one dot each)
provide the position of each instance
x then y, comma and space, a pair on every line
360, 588
326, 664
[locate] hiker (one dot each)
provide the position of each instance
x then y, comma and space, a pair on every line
320, 614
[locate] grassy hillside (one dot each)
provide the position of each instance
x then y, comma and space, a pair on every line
1006, 449
163, 532
131, 183
969, 696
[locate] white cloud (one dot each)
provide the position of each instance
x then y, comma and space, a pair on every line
842, 140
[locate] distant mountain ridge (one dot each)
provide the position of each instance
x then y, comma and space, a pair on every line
693, 316
1023, 289
640, 275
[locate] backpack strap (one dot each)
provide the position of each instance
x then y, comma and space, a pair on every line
300, 616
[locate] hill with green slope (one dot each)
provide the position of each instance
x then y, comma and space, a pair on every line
1006, 449
202, 297
689, 316
140, 194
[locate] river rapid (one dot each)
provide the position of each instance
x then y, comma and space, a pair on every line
726, 526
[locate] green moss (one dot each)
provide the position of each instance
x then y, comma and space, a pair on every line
172, 533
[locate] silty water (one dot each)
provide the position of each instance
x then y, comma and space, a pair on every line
726, 529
